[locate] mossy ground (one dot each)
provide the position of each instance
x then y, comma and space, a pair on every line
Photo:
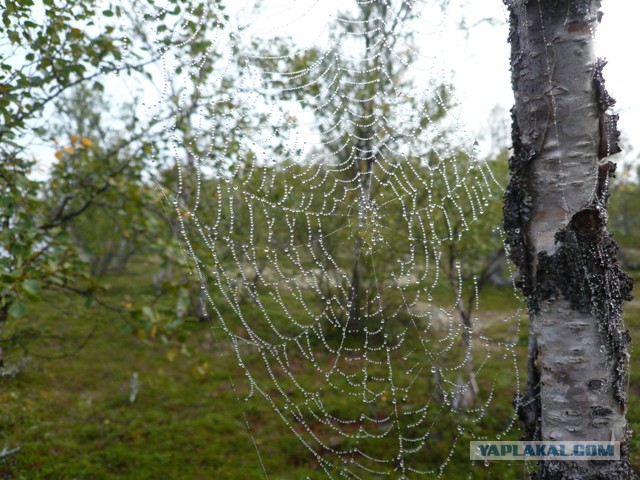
72, 417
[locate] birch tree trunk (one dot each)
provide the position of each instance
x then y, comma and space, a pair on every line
555, 218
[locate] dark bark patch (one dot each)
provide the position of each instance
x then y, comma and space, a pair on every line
609, 133
579, 28
518, 205
605, 101
585, 271
601, 412
601, 417
587, 222
583, 11
609, 136
605, 172
528, 409
595, 385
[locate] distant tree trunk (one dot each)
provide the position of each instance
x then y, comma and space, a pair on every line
466, 392
364, 203
555, 218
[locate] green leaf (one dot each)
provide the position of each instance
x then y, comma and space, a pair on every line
17, 309
149, 313
31, 286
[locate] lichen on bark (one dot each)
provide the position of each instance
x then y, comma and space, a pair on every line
585, 271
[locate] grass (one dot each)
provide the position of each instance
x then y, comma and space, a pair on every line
73, 417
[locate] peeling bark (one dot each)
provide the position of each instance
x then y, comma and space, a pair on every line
555, 219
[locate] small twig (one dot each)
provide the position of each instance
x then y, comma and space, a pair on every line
6, 452
135, 387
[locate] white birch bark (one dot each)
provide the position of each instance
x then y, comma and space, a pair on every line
555, 217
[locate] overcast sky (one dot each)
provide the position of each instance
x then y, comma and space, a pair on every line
477, 63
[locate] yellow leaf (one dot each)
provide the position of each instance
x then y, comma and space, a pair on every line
200, 370
74, 138
154, 331
87, 142
172, 353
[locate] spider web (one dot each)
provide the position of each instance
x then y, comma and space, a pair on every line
336, 213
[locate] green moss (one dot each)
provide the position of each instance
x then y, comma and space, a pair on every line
72, 417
